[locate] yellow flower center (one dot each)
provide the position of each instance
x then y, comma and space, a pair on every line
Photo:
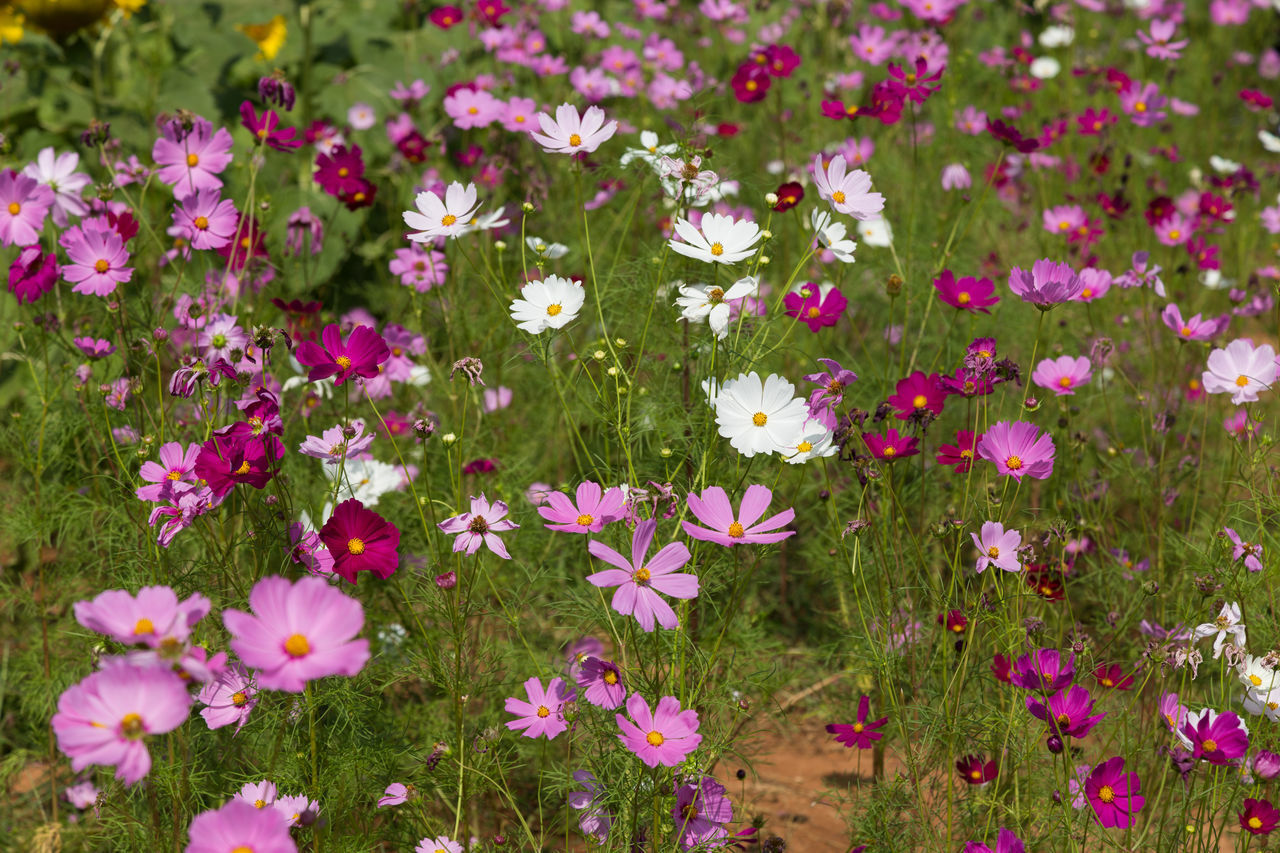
553, 309
716, 296
575, 139
243, 848
804, 447
1013, 463
814, 312
641, 575
448, 219
244, 468
858, 727
544, 711
610, 677
131, 726
920, 401
966, 454
585, 519
1064, 225
1254, 823
1242, 380
193, 159
343, 172
297, 646
751, 86
964, 298
355, 546
473, 110
736, 530
1107, 682
175, 474
239, 699
993, 551
838, 197
259, 804
1107, 794
1209, 746
144, 626
1065, 382
102, 265
759, 419
1140, 107
1086, 293
717, 249
201, 222
655, 738
1175, 234
344, 362
975, 775
14, 208
890, 451
1255, 680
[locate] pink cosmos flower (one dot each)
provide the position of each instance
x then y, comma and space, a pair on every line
154, 618
968, 293
1043, 669
396, 793
364, 350
229, 698
814, 308
24, 203
1062, 375
419, 268
518, 114
360, 540
593, 509
1067, 712
191, 161
257, 794
1194, 328
480, 527
174, 473
338, 443
639, 581
293, 809
848, 192
997, 547
1095, 284
595, 821
1047, 284
104, 718
601, 682
1006, 842
713, 509
239, 826
955, 177
1018, 449
568, 133
1144, 104
664, 736
439, 844
1241, 370
98, 258
1064, 219
1113, 794
470, 108
58, 173
862, 733
208, 219
543, 714
1159, 40
1250, 552
700, 813
298, 632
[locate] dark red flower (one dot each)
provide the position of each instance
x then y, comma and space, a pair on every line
975, 769
954, 620
1011, 136
968, 293
1001, 667
341, 170
32, 274
248, 244
780, 60
961, 453
364, 350
789, 195
1259, 817
360, 540
1113, 676
266, 130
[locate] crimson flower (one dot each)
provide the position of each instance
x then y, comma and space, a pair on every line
789, 195
359, 356
360, 540
225, 460
975, 769
861, 733
266, 129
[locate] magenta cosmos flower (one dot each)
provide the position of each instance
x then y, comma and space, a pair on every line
997, 547
916, 394
891, 446
1194, 328
664, 736
24, 204
360, 540
976, 770
543, 714
1114, 793
847, 192
237, 827
1018, 450
1259, 817
191, 161
961, 453
639, 581
1217, 738
1043, 669
815, 309
225, 460
713, 509
298, 632
1063, 374
364, 350
861, 733
966, 294
1067, 712
266, 129
32, 274
480, 527
98, 258
594, 509
105, 718
1006, 842
153, 618
208, 219
1047, 284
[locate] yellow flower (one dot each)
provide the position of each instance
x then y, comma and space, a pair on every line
269, 37
10, 26
128, 7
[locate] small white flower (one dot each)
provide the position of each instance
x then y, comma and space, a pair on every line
1269, 141
1057, 36
722, 240
568, 133
419, 376
1228, 622
551, 251
548, 304
831, 236
487, 222
366, 480
1044, 68
649, 151
813, 442
876, 232
759, 416
436, 217
700, 302
687, 179
1256, 677
58, 173
1223, 166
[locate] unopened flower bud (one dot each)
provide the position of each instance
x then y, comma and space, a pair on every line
448, 439
893, 284
771, 199
527, 207
448, 580
1054, 744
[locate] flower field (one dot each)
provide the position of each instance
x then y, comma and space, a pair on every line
639, 425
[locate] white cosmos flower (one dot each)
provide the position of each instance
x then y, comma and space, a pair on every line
568, 133
1241, 370
551, 251
547, 304
419, 376
1223, 166
849, 192
1057, 36
812, 442
700, 302
442, 218
759, 416
1269, 141
487, 222
1044, 68
366, 480
722, 240
649, 151
876, 232
831, 236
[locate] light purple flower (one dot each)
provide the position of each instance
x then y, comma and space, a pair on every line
997, 547
480, 527
639, 582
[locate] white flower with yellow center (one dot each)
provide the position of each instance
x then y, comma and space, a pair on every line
1258, 678
814, 441
545, 248
699, 302
760, 416
831, 236
722, 240
366, 480
876, 232
569, 133
548, 304
649, 151
447, 217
